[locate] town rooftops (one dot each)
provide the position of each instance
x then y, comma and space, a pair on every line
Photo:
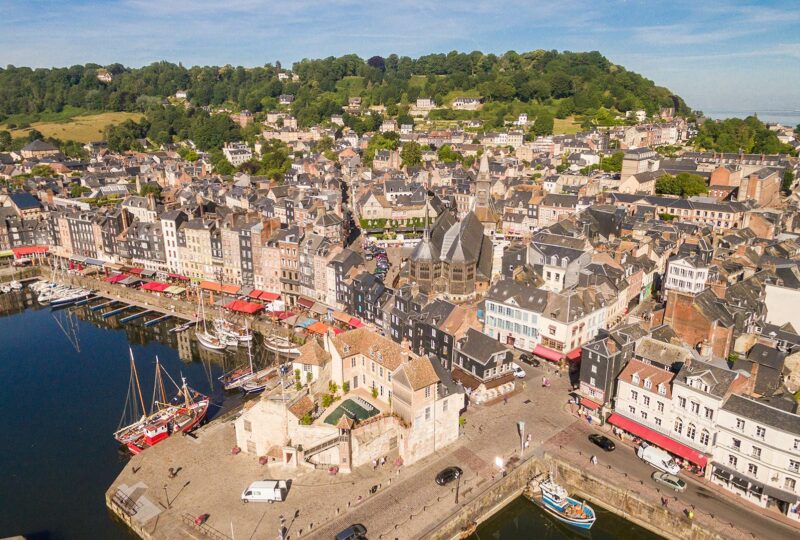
420, 372
39, 146
365, 341
479, 346
25, 201
763, 413
312, 354
640, 372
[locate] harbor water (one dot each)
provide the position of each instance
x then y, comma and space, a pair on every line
64, 378
523, 519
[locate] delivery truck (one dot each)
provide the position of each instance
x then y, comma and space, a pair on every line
266, 491
658, 458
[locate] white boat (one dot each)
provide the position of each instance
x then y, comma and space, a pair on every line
208, 339
70, 296
281, 345
241, 375
15, 285
231, 333
555, 500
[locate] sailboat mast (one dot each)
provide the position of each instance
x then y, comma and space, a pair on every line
249, 350
136, 376
160, 381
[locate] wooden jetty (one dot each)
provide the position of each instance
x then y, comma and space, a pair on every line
135, 316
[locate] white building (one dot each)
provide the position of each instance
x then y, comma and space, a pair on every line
237, 153
757, 454
687, 275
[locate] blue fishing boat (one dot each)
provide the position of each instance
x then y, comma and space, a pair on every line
555, 500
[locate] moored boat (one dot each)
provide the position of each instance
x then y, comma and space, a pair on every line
555, 500
281, 345
207, 339
239, 376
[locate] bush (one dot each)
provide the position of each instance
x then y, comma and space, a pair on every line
297, 374
375, 393
333, 387
306, 419
327, 399
298, 385
345, 387
309, 376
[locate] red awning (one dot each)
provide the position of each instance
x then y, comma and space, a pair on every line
283, 315
318, 328
116, 278
305, 302
243, 307
24, 251
255, 293
269, 296
337, 331
134, 270
574, 354
178, 276
355, 323
589, 404
659, 440
547, 354
156, 286
211, 286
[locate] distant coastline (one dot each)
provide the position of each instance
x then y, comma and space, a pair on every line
787, 117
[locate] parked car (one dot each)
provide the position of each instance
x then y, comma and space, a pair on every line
266, 491
354, 532
368, 256
519, 373
603, 442
448, 475
669, 480
530, 360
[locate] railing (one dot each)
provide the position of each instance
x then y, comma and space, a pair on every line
125, 503
204, 528
321, 447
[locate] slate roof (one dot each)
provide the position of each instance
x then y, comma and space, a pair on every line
479, 346
763, 413
522, 294
719, 380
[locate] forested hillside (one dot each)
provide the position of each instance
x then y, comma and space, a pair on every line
566, 82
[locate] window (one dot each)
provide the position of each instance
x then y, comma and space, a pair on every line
660, 407
658, 421
705, 437
594, 368
634, 395
789, 483
662, 389
682, 402
592, 381
797, 444
695, 407
644, 415
427, 413
678, 426
709, 413
635, 379
247, 425
752, 469
760, 432
740, 424
757, 452
646, 400
732, 460
427, 392
648, 384
794, 465
444, 405
691, 431
307, 368
736, 443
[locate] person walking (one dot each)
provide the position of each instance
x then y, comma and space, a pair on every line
593, 460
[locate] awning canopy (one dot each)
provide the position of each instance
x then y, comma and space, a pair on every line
29, 250
135, 270
155, 286
318, 328
269, 296
589, 404
574, 354
243, 306
342, 317
547, 354
173, 289
659, 440
116, 278
305, 302
305, 322
6, 253
255, 294
95, 262
320, 309
780, 494
148, 273
130, 280
178, 276
355, 323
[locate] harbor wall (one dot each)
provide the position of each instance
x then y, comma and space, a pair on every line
497, 495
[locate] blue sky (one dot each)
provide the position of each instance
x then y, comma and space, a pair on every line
717, 54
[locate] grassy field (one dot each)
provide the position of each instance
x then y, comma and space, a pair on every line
82, 128
565, 126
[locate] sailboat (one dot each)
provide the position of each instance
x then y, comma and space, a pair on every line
182, 414
231, 333
206, 338
237, 377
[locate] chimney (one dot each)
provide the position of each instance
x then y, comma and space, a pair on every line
705, 349
124, 220
151, 201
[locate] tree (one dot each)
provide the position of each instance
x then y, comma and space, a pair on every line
684, 184
150, 187
42, 170
749, 135
446, 154
5, 141
612, 163
381, 141
411, 154
543, 124
787, 181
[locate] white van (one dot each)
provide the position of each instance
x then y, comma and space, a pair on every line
266, 490
658, 458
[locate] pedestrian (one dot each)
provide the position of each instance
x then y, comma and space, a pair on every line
664, 502
383, 461
374, 464
593, 460
505, 400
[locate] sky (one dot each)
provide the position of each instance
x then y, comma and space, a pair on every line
719, 55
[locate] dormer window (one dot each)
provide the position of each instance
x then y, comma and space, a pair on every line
346, 348
662, 389
648, 384
635, 378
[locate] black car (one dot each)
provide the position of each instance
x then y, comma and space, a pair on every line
603, 442
354, 532
530, 360
448, 475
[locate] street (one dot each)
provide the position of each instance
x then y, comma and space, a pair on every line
573, 444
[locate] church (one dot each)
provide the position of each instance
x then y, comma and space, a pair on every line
454, 258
